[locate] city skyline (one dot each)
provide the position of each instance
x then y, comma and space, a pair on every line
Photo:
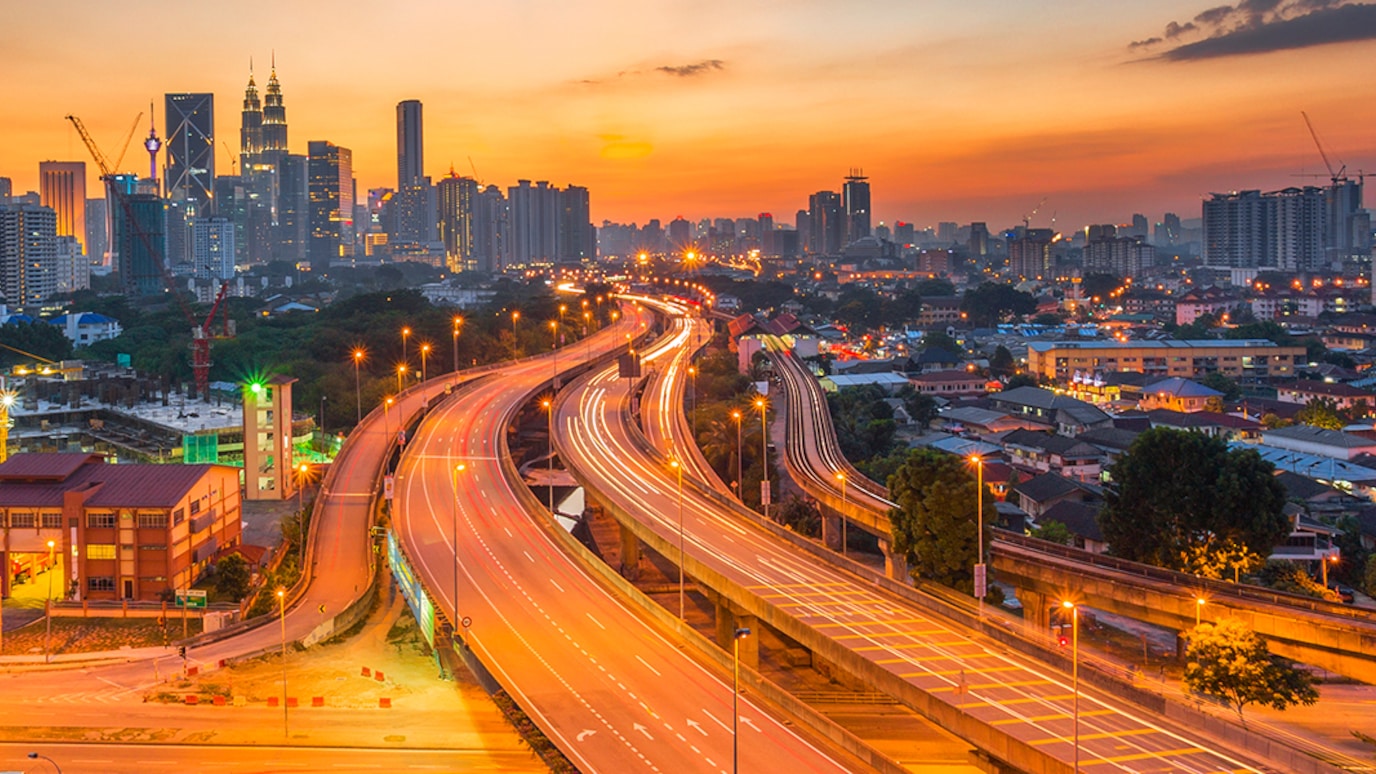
954, 113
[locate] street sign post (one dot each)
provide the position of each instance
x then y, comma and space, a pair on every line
192, 598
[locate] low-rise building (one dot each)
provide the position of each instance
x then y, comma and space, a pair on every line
1246, 359
86, 328
120, 531
1343, 396
949, 383
1047, 453
1308, 439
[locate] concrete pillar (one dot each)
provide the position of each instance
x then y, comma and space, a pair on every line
831, 532
895, 564
630, 555
1036, 610
728, 620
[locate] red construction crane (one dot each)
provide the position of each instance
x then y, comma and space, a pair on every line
200, 331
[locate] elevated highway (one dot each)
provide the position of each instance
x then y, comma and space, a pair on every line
1012, 710
612, 691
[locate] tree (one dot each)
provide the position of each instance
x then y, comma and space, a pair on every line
1020, 380
39, 338
940, 340
232, 577
934, 525
1272, 421
1215, 380
1054, 531
1321, 412
1201, 328
1229, 662
800, 515
1174, 491
1214, 403
1001, 363
991, 302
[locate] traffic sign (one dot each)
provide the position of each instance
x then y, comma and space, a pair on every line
191, 598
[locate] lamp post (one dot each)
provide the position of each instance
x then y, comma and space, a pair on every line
424, 355
554, 347
841, 476
740, 634
301, 472
33, 756
386, 418
980, 578
764, 454
282, 619
548, 405
48, 607
401, 374
1198, 608
1075, 670
681, 553
736, 415
323, 398
1324, 568
515, 317
358, 388
458, 321
405, 334
459, 468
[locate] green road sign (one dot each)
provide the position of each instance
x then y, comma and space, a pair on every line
191, 598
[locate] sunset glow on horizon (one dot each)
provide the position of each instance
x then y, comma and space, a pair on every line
955, 111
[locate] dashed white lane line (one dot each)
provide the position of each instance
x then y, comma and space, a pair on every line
647, 666
599, 623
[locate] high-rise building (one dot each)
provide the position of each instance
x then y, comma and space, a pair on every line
903, 233
410, 144
28, 253
577, 238
62, 186
140, 243
534, 222
855, 196
1029, 256
679, 233
190, 121
73, 270
1122, 256
239, 200
457, 211
1285, 229
1348, 224
212, 248
291, 235
491, 230
331, 204
6, 189
826, 222
251, 121
979, 239
98, 235
274, 123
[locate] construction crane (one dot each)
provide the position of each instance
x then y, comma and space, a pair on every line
124, 148
200, 330
1027, 219
1334, 176
233, 160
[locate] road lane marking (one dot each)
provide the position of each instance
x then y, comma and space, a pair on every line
599, 623
647, 666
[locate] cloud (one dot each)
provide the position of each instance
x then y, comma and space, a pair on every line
1263, 26
690, 70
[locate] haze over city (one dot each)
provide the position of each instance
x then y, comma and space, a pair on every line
955, 111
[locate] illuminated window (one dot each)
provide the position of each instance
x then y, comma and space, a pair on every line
99, 520
153, 521
100, 551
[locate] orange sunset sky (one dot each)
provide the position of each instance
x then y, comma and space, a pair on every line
956, 110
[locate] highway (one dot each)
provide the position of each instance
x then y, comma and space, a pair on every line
86, 758
612, 692
822, 606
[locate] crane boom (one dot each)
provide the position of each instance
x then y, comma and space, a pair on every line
91, 146
123, 149
1335, 176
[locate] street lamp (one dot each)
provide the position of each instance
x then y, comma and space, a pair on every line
1075, 670
301, 472
282, 618
841, 476
424, 354
1198, 607
548, 405
386, 417
681, 553
764, 454
401, 374
980, 577
458, 321
515, 317
48, 607
405, 334
736, 415
1323, 564
358, 387
693, 400
740, 634
33, 756
459, 468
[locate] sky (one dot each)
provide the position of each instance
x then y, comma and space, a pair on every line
1085, 111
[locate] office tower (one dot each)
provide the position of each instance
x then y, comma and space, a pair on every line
979, 239
1108, 252
73, 269
1029, 256
410, 144
802, 224
679, 233
534, 222
274, 123
28, 253
190, 121
6, 189
331, 204
62, 185
1139, 226
250, 121
652, 239
141, 243
577, 237
1167, 232
291, 235
212, 248
946, 231
903, 233
457, 208
1347, 225
855, 197
826, 223
491, 230
98, 235
240, 200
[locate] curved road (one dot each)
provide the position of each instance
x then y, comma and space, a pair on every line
614, 693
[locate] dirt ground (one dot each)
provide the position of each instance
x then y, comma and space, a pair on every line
85, 635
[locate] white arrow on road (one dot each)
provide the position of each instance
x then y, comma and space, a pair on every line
750, 723
585, 733
643, 730
696, 726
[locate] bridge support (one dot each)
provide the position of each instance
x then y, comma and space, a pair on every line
895, 564
728, 621
630, 554
1036, 610
831, 532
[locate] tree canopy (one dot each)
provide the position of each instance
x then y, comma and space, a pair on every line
1228, 661
934, 525
991, 302
1176, 491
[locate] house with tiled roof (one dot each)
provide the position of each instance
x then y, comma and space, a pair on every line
1068, 416
1042, 452
1318, 441
1343, 396
949, 383
1037, 495
1177, 394
1210, 423
1081, 519
122, 531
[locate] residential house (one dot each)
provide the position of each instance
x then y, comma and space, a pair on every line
1210, 423
1082, 520
1043, 452
1178, 394
1316, 440
1344, 397
949, 383
972, 420
1037, 495
1067, 415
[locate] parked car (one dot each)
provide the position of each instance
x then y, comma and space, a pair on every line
1345, 593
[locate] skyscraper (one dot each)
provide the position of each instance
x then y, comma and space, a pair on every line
1284, 229
98, 235
855, 195
292, 232
28, 253
140, 243
826, 223
62, 186
251, 121
534, 218
457, 204
410, 144
274, 126
331, 204
190, 120
577, 237
6, 188
212, 248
